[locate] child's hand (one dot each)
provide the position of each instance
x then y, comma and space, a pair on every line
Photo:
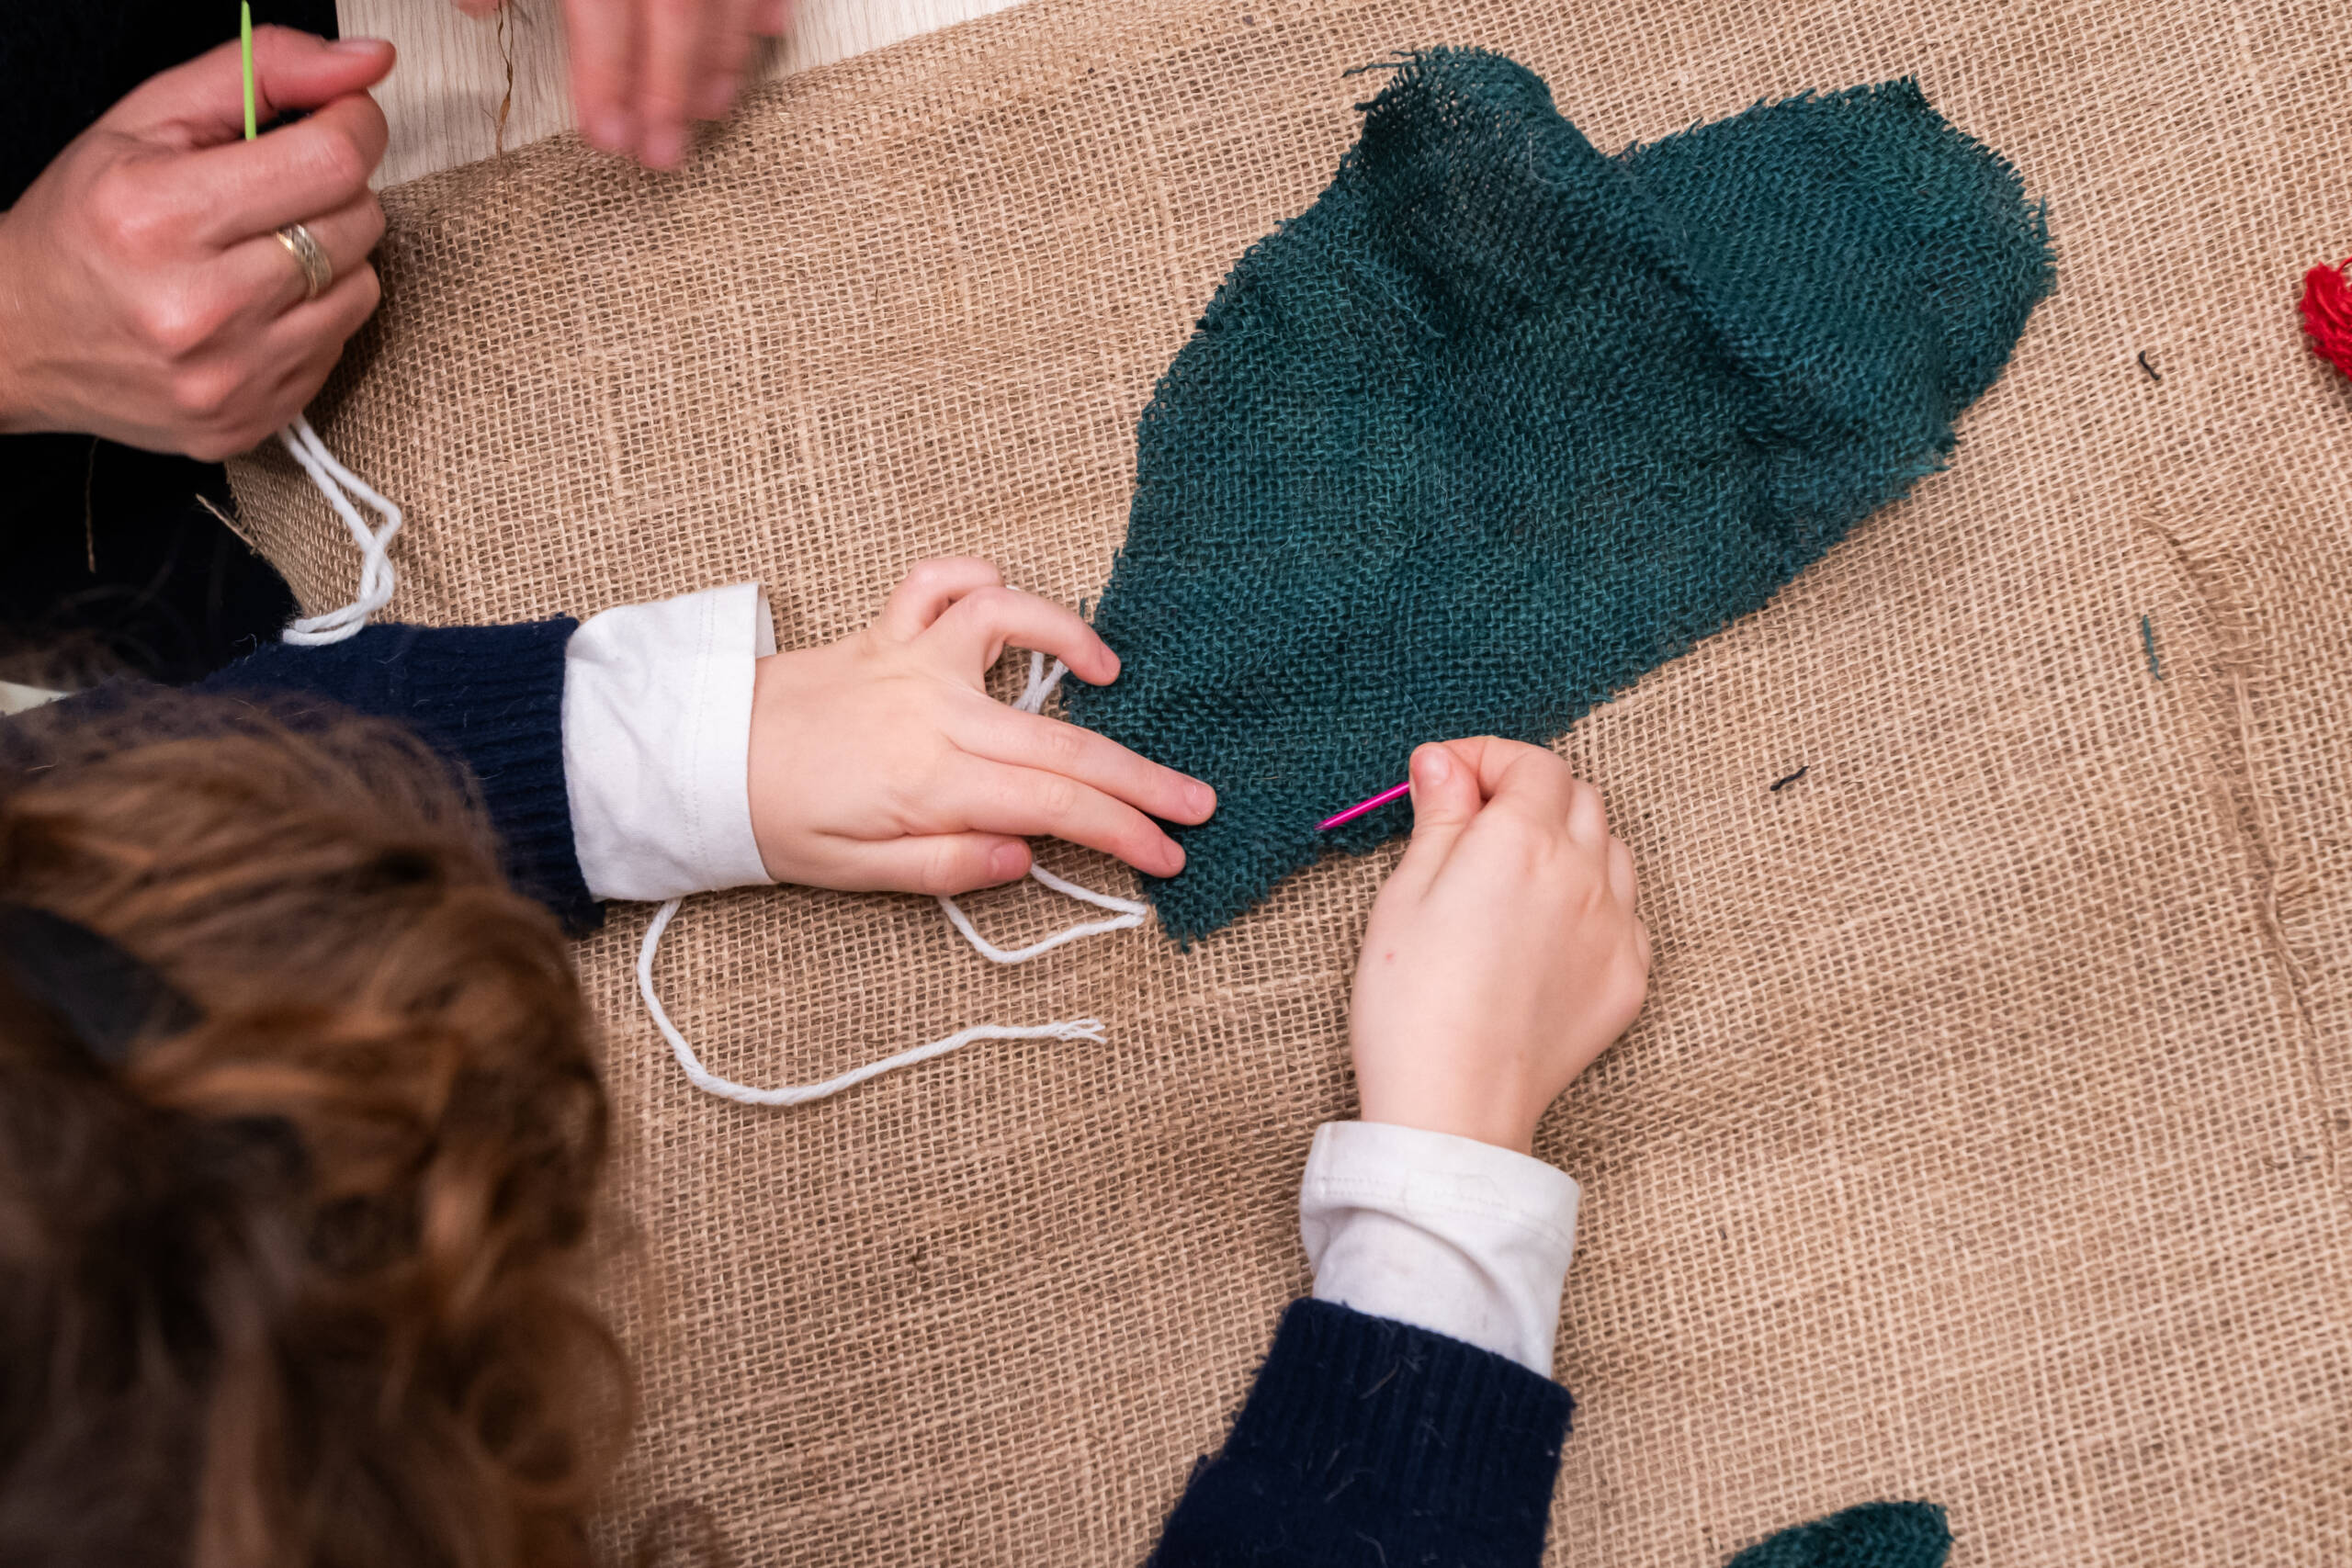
1504, 954
880, 763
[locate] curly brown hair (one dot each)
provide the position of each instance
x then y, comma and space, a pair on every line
302, 1284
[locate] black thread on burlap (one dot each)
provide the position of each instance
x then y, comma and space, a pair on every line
1781, 784
2148, 368
1500, 423
1874, 1535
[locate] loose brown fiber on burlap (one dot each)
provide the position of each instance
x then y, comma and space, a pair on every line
1985, 1139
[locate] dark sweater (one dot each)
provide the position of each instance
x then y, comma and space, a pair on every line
489, 699
1364, 1442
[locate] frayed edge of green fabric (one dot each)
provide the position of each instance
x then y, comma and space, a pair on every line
1871, 1535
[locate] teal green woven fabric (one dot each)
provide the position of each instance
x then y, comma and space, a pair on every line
1875, 1535
1500, 424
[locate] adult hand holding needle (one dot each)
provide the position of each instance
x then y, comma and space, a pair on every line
146, 292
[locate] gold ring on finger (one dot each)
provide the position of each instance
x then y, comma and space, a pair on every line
310, 256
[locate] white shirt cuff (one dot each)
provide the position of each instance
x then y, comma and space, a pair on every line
657, 741
1447, 1234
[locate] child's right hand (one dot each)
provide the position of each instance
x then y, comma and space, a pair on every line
1504, 954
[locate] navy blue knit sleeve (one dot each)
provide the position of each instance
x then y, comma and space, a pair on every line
1366, 1443
489, 699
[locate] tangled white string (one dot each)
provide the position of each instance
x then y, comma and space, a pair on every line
1130, 913
339, 484
709, 1082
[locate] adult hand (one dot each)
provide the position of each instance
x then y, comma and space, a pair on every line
641, 69
1504, 954
880, 763
144, 295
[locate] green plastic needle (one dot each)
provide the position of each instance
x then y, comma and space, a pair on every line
245, 42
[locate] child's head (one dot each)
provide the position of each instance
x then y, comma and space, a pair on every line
296, 1280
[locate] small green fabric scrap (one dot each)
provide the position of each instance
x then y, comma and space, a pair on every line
1500, 423
1875, 1535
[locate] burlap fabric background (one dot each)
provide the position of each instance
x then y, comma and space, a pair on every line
1984, 1138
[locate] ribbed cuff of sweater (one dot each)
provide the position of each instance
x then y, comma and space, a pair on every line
489, 698
1364, 1430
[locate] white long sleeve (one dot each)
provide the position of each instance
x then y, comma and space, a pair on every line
657, 734
1456, 1236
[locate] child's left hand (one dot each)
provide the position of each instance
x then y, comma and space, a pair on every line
879, 762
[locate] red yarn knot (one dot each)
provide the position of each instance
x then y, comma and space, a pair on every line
2327, 314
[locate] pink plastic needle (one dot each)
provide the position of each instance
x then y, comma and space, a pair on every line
1352, 812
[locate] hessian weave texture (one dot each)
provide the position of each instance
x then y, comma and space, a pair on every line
1500, 423
1986, 1136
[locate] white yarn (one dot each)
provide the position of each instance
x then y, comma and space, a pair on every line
704, 1079
1040, 685
1129, 914
338, 484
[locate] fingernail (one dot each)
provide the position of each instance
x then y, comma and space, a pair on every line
1173, 860
664, 144
609, 129
1203, 799
1007, 862
360, 45
1434, 765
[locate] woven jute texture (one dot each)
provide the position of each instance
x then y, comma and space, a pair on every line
1984, 1138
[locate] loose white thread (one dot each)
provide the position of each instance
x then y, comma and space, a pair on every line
704, 1079
1130, 913
334, 480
